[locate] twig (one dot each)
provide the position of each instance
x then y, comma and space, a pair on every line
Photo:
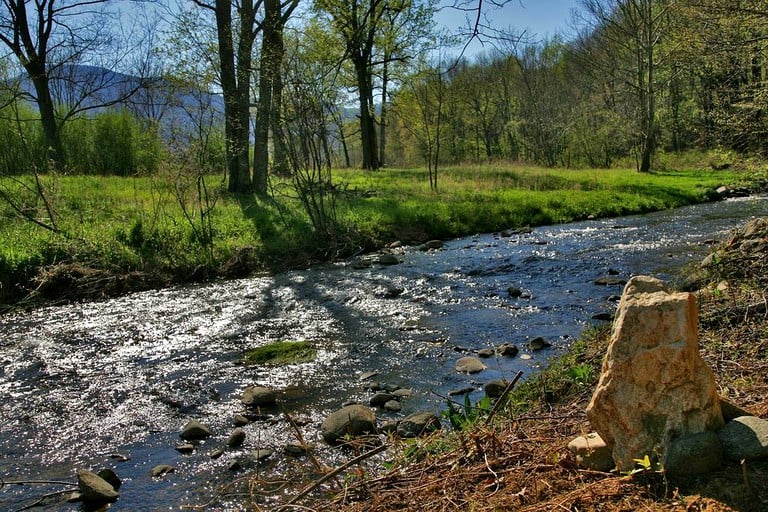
501, 398
30, 482
41, 499
333, 473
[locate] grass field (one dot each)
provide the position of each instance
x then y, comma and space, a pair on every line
178, 225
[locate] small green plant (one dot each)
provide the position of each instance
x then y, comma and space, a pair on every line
281, 352
463, 416
582, 374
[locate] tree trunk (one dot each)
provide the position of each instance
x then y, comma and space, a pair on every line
236, 106
367, 119
51, 132
383, 116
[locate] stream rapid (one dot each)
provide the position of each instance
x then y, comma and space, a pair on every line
110, 384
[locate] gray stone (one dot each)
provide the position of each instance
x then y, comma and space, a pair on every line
352, 420
507, 350
393, 406
258, 396
162, 469
417, 424
237, 438
494, 388
388, 259
538, 343
486, 352
381, 398
295, 449
433, 245
694, 454
194, 431
94, 489
240, 421
403, 393
263, 454
469, 364
745, 437
591, 452
389, 426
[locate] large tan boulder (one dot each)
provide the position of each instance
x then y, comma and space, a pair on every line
654, 387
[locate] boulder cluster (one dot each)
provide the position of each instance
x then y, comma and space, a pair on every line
656, 399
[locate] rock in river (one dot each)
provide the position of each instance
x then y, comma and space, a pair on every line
258, 396
469, 364
94, 489
352, 420
194, 431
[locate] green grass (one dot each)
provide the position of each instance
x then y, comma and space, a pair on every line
281, 353
129, 224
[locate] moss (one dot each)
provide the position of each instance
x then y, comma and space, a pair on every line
281, 353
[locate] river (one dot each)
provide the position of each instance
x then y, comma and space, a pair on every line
110, 384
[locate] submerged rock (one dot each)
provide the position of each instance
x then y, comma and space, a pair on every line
162, 469
507, 350
258, 396
237, 438
538, 343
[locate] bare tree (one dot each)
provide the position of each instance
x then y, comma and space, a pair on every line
632, 32
51, 40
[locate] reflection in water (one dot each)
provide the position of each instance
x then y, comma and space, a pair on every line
82, 383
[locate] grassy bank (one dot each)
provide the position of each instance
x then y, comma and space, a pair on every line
108, 235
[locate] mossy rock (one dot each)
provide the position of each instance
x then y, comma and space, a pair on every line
281, 352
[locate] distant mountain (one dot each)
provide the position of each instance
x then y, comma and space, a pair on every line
94, 89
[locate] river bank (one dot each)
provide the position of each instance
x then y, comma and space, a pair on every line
107, 236
520, 461
122, 376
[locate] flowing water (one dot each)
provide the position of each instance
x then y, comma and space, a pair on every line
110, 384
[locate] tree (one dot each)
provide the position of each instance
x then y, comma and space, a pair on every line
235, 52
366, 27
50, 39
269, 117
632, 32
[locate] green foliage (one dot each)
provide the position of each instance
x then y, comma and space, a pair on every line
281, 353
109, 143
464, 416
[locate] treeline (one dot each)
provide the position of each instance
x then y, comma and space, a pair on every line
640, 76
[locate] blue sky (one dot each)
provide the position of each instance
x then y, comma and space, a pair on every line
539, 18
